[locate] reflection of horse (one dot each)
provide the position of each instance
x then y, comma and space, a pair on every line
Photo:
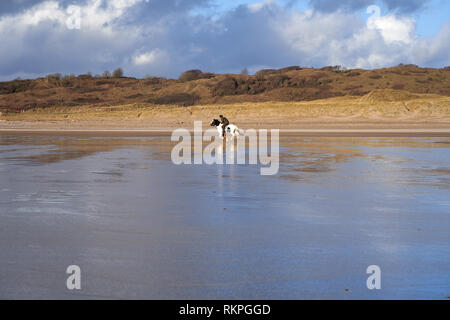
231, 128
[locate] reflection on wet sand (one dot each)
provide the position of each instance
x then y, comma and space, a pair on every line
298, 155
325, 149
67, 148
318, 155
142, 227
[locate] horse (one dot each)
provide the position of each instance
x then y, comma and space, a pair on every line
231, 128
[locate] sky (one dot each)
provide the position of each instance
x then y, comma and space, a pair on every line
167, 37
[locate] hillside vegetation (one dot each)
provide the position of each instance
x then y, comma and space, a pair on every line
291, 84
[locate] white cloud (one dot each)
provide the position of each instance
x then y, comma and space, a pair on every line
393, 28
343, 38
254, 7
94, 14
434, 50
150, 57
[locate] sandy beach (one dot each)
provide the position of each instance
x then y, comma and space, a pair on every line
311, 128
377, 114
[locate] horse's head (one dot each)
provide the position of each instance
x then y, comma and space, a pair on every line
215, 123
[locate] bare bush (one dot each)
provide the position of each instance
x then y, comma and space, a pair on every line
196, 74
118, 73
56, 76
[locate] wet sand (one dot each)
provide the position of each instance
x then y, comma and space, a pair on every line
141, 227
313, 132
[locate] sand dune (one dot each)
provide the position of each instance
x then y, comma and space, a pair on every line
380, 109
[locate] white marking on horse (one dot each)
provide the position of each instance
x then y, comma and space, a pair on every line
229, 129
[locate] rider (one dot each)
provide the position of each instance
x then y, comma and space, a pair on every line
224, 122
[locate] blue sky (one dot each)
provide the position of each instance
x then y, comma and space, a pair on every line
429, 19
167, 37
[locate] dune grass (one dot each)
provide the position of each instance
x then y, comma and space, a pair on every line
376, 105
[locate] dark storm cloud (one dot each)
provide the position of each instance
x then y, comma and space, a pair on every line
158, 9
14, 6
250, 39
240, 38
164, 7
153, 8
332, 5
403, 6
406, 6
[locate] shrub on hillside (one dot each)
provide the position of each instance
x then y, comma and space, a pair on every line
333, 68
68, 81
15, 86
287, 69
85, 76
398, 86
102, 82
153, 80
252, 85
353, 74
56, 76
226, 87
196, 74
118, 73
266, 72
276, 81
190, 75
179, 99
375, 76
353, 88
402, 65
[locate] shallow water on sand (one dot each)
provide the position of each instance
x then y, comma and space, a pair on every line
141, 227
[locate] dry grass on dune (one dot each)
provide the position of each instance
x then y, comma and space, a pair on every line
378, 105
